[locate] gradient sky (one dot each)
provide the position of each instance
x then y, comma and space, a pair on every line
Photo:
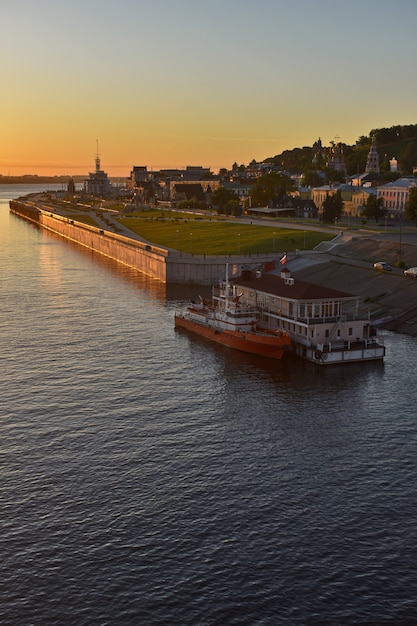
170, 83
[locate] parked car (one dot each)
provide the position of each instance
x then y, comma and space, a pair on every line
381, 265
412, 272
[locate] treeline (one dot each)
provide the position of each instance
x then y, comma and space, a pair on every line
398, 141
34, 179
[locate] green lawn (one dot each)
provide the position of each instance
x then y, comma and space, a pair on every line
85, 219
196, 236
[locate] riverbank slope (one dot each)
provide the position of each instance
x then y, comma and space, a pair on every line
390, 296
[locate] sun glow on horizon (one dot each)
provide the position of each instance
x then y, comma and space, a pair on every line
164, 84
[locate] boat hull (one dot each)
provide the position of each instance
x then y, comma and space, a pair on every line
262, 344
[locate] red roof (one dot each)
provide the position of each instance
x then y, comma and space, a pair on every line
300, 290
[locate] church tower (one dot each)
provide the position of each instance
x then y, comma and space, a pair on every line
335, 158
372, 162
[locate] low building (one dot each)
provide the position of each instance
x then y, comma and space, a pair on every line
320, 194
326, 326
188, 191
395, 194
138, 175
356, 205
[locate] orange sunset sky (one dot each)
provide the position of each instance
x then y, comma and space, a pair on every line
171, 83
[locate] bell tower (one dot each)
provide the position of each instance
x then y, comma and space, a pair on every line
372, 162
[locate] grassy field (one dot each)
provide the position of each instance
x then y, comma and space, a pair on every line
211, 237
85, 219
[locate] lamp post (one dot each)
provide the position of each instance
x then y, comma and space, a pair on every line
401, 233
177, 232
273, 242
191, 234
304, 240
238, 243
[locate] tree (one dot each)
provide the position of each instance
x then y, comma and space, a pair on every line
409, 156
411, 206
270, 186
312, 178
233, 207
374, 208
332, 207
221, 197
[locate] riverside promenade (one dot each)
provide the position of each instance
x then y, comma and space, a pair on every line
112, 239
346, 263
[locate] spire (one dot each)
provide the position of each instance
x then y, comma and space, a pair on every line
97, 158
372, 162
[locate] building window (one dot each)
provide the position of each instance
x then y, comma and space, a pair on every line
350, 331
326, 334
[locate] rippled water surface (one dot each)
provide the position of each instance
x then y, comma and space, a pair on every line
150, 477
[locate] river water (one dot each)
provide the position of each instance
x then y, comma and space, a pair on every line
149, 477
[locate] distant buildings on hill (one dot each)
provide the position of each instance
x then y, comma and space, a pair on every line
196, 184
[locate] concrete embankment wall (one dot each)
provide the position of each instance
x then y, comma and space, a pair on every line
168, 266
208, 270
146, 258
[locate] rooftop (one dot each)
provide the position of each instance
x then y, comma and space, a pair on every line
299, 290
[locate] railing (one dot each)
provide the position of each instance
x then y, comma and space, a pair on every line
340, 346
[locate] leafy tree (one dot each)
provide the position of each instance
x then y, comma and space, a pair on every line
356, 160
233, 207
313, 178
193, 203
333, 176
221, 196
409, 156
332, 207
298, 158
374, 208
411, 206
272, 186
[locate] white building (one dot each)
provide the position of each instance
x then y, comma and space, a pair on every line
325, 325
395, 194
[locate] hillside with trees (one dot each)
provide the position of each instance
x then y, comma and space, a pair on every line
398, 141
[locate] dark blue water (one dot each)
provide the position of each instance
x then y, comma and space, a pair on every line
150, 477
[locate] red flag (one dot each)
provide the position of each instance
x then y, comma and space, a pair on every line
283, 260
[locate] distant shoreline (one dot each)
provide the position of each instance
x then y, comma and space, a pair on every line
32, 179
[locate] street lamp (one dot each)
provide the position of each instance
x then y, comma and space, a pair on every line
178, 232
238, 243
401, 228
191, 234
304, 240
273, 242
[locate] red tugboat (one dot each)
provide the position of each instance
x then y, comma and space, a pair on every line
231, 323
